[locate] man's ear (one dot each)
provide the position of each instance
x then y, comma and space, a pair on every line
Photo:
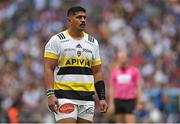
69, 19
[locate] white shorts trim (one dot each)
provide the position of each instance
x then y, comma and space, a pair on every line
76, 102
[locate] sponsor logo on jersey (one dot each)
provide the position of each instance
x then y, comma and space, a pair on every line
70, 49
61, 36
78, 62
66, 108
62, 41
86, 50
90, 110
78, 46
124, 78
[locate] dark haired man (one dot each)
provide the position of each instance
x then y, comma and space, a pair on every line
72, 67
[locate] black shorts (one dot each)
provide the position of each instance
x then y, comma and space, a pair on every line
124, 106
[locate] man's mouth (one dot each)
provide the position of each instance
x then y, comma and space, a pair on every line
83, 25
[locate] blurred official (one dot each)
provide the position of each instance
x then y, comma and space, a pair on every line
125, 90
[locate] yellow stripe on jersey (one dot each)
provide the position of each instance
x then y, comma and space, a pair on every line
74, 86
98, 62
66, 33
50, 55
75, 62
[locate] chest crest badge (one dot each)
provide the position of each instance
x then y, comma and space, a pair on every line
79, 50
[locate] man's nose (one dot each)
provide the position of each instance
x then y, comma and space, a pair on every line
83, 19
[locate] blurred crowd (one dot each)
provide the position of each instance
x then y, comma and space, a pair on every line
148, 29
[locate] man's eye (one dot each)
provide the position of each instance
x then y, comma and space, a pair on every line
79, 17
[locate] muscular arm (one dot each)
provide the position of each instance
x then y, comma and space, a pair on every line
100, 87
111, 94
97, 72
49, 66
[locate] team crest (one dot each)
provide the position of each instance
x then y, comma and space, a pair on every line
78, 53
79, 49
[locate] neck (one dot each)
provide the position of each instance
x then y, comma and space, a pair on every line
76, 34
123, 66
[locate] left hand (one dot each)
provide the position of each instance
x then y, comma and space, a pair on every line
139, 106
103, 106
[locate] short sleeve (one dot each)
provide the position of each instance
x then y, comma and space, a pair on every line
52, 48
97, 59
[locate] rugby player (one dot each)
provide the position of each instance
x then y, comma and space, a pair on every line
73, 73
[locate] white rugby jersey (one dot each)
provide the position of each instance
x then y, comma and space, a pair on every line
73, 76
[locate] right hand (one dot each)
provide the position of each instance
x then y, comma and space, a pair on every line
103, 106
53, 103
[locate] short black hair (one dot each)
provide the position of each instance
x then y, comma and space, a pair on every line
73, 10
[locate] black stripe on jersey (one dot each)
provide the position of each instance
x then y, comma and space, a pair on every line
75, 70
76, 95
61, 36
90, 38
